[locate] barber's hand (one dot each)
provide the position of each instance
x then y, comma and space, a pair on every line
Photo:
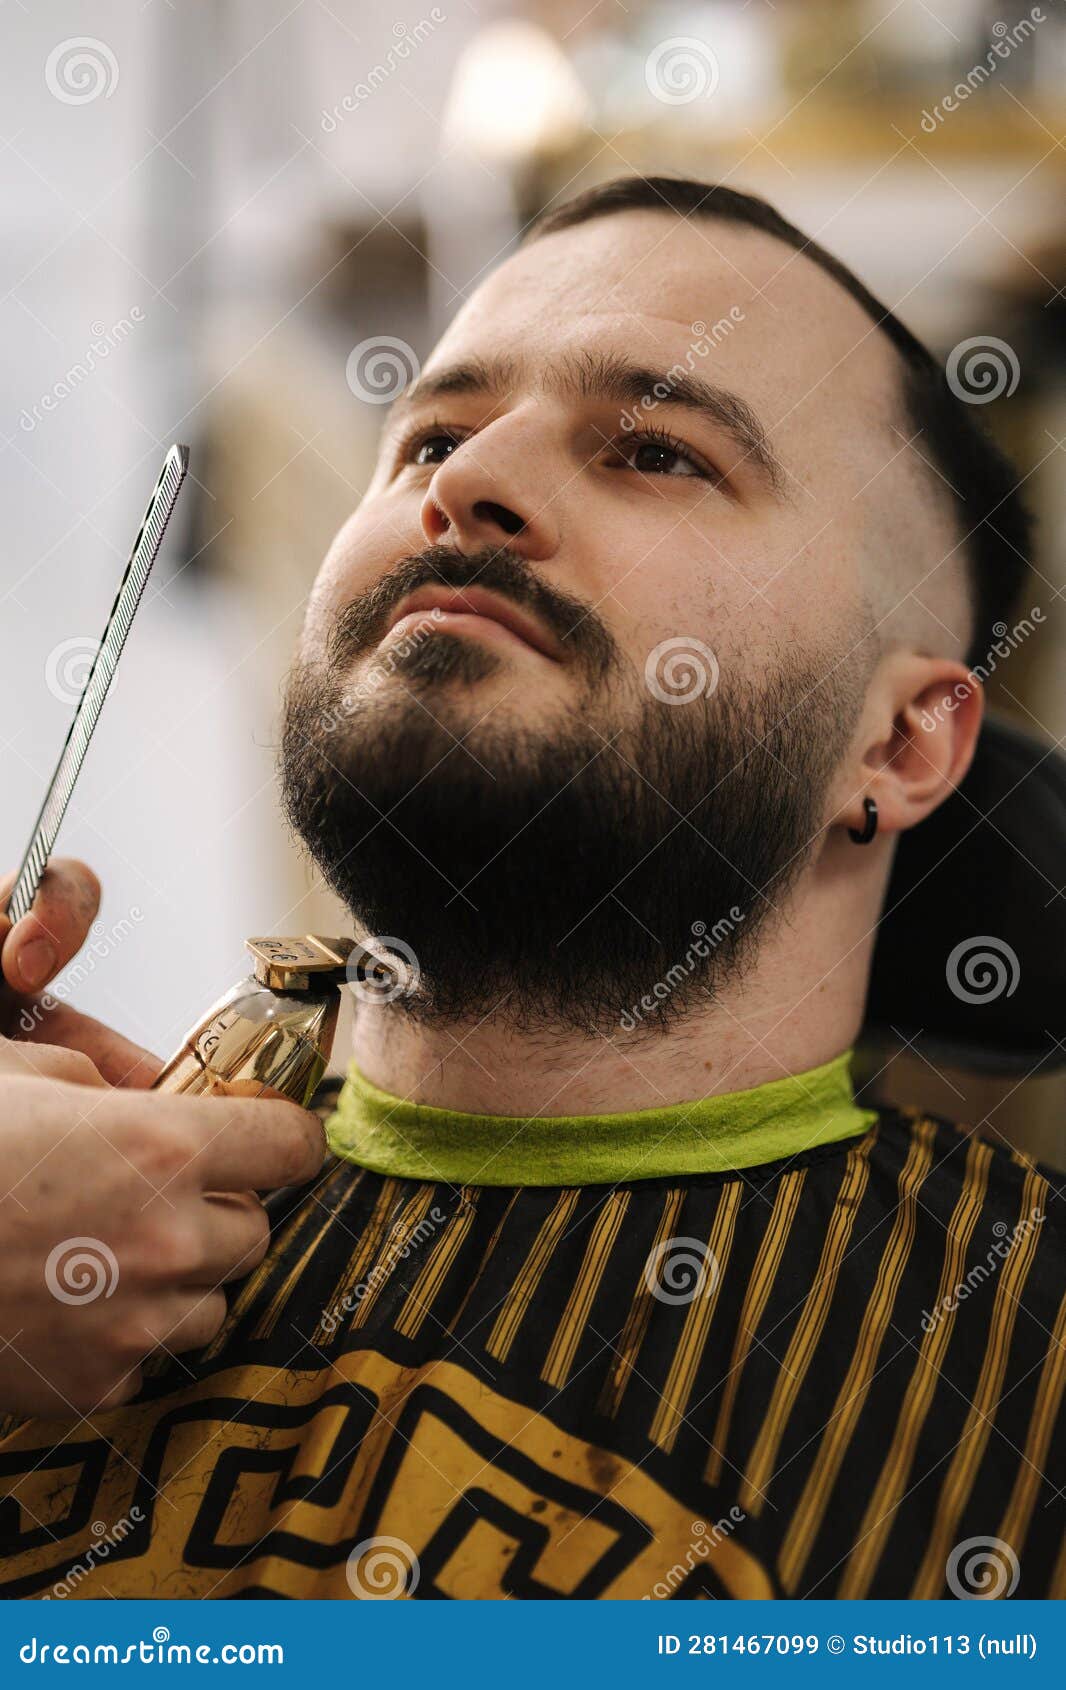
122, 1213
35, 950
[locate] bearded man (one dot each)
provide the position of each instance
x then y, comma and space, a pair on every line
649, 639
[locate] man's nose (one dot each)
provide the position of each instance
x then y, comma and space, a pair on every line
477, 500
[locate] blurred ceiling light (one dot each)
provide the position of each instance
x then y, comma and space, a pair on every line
513, 94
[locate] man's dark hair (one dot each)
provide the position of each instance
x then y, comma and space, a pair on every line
994, 524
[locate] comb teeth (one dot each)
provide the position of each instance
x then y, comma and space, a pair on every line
135, 577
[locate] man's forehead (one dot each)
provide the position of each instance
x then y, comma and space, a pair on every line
770, 316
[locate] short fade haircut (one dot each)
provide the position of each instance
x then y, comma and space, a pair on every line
994, 525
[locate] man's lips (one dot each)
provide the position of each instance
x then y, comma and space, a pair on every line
480, 602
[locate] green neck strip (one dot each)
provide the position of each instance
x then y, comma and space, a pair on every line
741, 1129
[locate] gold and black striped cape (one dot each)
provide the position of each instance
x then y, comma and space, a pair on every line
499, 1395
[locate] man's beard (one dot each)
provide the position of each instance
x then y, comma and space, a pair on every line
554, 876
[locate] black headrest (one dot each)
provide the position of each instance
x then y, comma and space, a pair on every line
970, 960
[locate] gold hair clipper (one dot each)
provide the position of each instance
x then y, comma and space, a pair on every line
271, 1034
273, 1031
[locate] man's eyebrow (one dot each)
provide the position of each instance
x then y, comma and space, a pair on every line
473, 375
608, 376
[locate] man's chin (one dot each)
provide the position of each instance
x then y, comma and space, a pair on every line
435, 658
461, 680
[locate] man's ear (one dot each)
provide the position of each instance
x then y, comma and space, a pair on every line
924, 715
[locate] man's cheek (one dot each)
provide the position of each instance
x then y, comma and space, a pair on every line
350, 568
373, 540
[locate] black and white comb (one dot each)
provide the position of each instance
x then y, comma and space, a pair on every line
142, 557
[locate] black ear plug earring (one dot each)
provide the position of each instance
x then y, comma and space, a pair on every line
863, 835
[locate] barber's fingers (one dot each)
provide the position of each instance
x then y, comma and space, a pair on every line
230, 1143
229, 1235
118, 1059
54, 930
48, 1062
193, 1319
236, 1235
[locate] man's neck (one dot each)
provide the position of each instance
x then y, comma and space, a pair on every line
799, 1006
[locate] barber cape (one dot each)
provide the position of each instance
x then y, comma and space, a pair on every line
765, 1344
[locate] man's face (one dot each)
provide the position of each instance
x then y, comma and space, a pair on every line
698, 545
662, 453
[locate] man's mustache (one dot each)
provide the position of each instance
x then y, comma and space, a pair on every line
582, 635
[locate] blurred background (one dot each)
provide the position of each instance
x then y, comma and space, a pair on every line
215, 219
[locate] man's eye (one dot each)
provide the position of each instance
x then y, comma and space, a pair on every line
653, 453
432, 449
427, 445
